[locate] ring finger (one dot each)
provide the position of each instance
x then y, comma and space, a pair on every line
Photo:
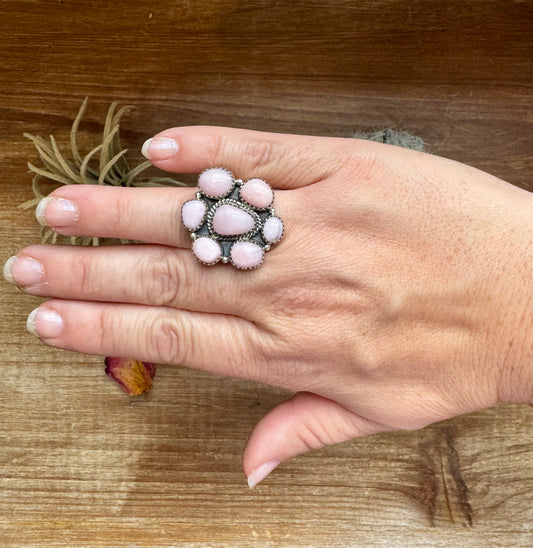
138, 274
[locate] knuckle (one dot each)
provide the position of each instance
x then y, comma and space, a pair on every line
294, 299
106, 334
316, 431
81, 272
121, 214
276, 361
310, 432
361, 165
166, 277
214, 147
167, 341
249, 361
310, 439
259, 153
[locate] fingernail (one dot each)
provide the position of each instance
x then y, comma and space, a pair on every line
45, 323
57, 212
23, 271
160, 148
261, 472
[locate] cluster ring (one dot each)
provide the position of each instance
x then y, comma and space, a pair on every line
231, 220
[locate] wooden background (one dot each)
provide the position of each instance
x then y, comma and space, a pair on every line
83, 465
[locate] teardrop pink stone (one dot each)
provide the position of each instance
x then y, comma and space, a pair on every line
246, 255
192, 213
257, 193
215, 182
229, 220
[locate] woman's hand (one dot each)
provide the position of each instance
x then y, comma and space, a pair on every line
400, 295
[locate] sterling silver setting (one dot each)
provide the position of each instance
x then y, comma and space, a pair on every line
243, 247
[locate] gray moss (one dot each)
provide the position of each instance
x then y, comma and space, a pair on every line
397, 137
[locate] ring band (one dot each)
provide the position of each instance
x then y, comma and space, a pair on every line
231, 220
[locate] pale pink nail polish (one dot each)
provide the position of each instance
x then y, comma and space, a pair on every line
160, 148
45, 323
23, 271
261, 472
57, 212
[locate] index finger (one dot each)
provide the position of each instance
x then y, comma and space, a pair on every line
285, 161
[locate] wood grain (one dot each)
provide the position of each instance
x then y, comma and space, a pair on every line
83, 465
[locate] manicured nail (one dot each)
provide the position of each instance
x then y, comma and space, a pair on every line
23, 271
45, 323
160, 148
261, 472
57, 212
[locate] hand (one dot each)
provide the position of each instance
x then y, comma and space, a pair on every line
400, 295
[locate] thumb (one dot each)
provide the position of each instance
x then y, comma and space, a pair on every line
304, 422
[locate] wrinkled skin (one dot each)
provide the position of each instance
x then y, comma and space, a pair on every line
400, 295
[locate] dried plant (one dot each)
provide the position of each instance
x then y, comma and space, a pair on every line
105, 164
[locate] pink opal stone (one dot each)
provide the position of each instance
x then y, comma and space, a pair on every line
246, 255
207, 250
215, 182
257, 193
229, 220
273, 230
192, 213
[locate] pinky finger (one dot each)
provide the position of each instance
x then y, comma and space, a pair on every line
221, 344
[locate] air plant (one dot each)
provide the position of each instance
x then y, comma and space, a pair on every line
106, 164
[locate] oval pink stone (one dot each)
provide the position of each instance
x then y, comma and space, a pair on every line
257, 193
229, 220
192, 213
273, 230
215, 182
246, 255
207, 250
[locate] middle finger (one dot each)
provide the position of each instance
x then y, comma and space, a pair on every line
151, 215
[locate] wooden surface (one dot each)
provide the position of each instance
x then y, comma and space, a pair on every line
83, 465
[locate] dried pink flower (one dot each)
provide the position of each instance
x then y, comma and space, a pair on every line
133, 376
